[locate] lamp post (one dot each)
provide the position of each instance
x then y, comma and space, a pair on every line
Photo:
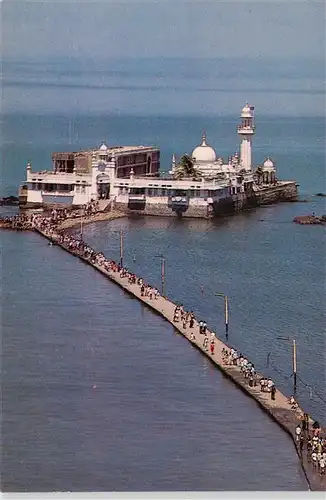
163, 260
226, 312
81, 224
121, 248
294, 360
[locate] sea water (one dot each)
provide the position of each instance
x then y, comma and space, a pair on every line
99, 393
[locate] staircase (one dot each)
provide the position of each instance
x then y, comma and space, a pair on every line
104, 205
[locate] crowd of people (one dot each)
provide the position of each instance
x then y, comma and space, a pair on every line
27, 220
19, 222
310, 440
233, 358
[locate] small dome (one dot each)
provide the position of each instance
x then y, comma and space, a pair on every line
103, 147
204, 152
246, 111
268, 163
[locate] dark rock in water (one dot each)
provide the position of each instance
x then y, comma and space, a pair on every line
320, 194
299, 200
9, 200
310, 219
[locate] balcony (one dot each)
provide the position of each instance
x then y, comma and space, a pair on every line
136, 197
57, 193
246, 130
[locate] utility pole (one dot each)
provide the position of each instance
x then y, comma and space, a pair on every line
81, 225
226, 312
121, 248
163, 260
294, 361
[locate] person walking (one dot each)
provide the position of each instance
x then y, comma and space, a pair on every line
297, 433
273, 392
205, 342
306, 420
212, 348
191, 322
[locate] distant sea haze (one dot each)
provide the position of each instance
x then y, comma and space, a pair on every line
165, 86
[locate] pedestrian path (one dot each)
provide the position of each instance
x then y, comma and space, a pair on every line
278, 408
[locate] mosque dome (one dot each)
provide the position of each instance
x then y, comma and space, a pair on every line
268, 163
204, 153
103, 147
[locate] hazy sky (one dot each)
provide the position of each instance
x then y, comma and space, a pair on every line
151, 28
117, 56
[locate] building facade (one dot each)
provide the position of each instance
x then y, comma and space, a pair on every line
128, 177
79, 177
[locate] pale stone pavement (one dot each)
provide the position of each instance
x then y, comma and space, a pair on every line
87, 219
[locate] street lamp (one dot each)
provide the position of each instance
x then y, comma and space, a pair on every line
121, 246
226, 312
81, 224
163, 260
294, 360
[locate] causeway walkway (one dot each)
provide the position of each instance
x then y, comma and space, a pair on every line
279, 409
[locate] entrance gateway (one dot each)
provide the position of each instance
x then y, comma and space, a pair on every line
103, 186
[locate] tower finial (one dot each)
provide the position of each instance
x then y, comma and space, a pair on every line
203, 138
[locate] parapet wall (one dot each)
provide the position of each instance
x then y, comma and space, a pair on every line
284, 192
163, 210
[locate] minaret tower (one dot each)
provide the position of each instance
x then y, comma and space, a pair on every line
173, 165
246, 130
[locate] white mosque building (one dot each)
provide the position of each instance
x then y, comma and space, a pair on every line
128, 177
211, 166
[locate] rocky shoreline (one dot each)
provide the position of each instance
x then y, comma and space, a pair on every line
310, 220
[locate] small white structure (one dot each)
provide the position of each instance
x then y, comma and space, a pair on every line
268, 171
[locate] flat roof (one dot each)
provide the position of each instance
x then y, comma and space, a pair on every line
122, 149
110, 149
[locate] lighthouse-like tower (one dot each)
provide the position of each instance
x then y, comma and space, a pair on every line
246, 130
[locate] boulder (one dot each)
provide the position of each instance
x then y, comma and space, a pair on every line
310, 219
